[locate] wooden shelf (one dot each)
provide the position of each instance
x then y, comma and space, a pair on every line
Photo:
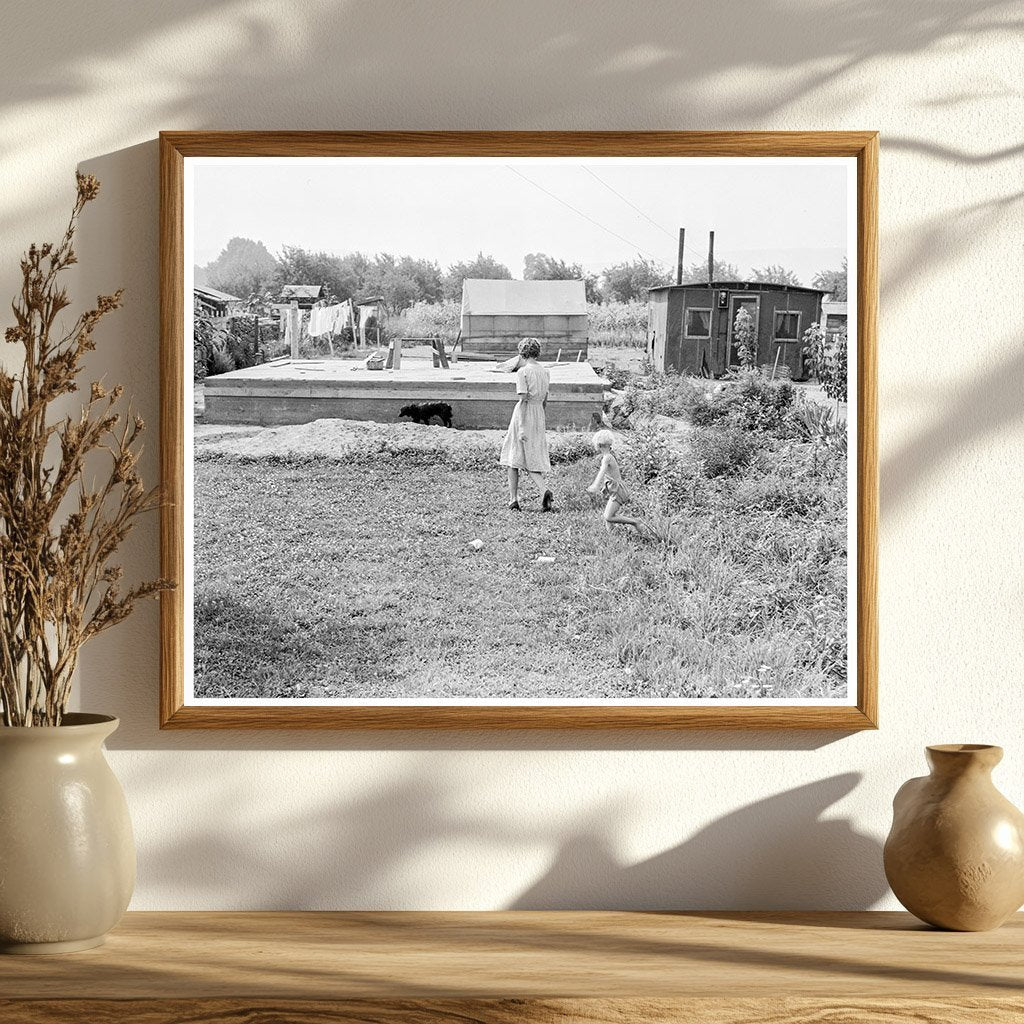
500, 968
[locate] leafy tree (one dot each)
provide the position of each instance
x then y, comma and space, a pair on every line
828, 360
630, 281
244, 267
300, 266
833, 281
402, 280
352, 271
774, 273
539, 267
744, 335
697, 273
481, 267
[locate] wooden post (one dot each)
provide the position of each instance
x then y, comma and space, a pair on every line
679, 261
711, 257
397, 348
256, 337
295, 325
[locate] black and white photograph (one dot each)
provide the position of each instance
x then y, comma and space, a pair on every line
520, 430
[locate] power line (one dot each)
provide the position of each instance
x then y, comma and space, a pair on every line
583, 215
628, 203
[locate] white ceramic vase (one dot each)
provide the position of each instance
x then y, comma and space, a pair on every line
67, 855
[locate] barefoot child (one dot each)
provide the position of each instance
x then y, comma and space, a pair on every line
608, 482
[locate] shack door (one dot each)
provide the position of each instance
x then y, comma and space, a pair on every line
752, 304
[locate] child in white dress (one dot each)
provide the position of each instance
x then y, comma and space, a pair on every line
525, 448
608, 482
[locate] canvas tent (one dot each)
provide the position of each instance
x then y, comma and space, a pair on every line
497, 314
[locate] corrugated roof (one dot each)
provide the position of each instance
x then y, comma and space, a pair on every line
523, 298
212, 293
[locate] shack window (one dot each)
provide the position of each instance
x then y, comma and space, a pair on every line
698, 323
787, 326
835, 322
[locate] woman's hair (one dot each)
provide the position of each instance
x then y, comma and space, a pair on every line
529, 348
603, 437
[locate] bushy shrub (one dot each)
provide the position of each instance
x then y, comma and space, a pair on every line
723, 451
836, 385
220, 361
649, 453
670, 480
430, 319
760, 403
659, 394
745, 336
750, 401
619, 379
566, 448
810, 421
709, 409
221, 344
783, 496
828, 360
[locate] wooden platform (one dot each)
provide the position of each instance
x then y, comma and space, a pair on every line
302, 391
524, 967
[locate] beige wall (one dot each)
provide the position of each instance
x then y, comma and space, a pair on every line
448, 821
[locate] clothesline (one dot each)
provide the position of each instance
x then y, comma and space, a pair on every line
327, 321
330, 319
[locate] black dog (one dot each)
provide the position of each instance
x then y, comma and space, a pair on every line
423, 412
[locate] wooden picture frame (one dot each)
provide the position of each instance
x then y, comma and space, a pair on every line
177, 147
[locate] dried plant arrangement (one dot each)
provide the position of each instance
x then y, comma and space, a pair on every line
58, 531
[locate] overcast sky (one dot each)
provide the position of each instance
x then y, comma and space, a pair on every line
792, 212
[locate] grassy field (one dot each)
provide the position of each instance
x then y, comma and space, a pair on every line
348, 573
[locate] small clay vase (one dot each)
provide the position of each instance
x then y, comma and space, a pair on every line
955, 854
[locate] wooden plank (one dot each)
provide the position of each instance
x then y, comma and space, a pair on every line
172, 439
655, 966
482, 716
721, 1010
500, 143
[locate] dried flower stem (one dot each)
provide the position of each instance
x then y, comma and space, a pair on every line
57, 586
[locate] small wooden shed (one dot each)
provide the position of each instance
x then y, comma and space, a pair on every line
692, 325
306, 295
211, 302
497, 315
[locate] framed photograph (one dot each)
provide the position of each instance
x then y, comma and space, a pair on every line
519, 430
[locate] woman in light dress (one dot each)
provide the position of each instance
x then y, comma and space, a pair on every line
525, 448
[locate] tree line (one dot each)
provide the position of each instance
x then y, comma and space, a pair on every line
246, 268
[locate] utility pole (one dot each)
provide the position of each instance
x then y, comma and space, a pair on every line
679, 261
711, 257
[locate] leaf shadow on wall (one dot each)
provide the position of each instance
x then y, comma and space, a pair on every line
402, 843
534, 64
777, 853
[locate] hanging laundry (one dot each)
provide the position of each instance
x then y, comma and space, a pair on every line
316, 321
332, 318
